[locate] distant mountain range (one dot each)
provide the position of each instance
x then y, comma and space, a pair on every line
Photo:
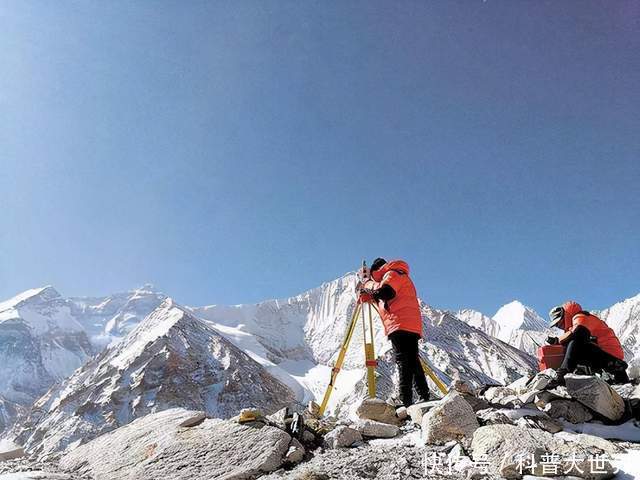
74, 368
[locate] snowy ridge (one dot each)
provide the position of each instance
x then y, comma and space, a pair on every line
170, 359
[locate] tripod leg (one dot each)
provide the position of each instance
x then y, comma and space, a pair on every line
340, 359
427, 369
369, 353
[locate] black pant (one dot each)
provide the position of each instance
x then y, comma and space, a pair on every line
583, 352
405, 347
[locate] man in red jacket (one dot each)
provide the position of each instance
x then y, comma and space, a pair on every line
588, 341
391, 288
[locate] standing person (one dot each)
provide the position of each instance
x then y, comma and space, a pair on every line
389, 285
588, 341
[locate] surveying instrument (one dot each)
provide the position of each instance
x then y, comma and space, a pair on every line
369, 351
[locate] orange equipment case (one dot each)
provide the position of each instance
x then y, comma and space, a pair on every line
550, 356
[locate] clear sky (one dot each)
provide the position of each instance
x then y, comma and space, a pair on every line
230, 152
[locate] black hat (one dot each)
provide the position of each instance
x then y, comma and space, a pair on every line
377, 264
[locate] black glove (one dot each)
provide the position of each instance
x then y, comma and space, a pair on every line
553, 340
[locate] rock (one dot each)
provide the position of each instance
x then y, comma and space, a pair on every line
529, 397
378, 410
279, 418
155, 447
543, 423
542, 379
308, 437
596, 394
313, 408
496, 394
591, 441
509, 401
461, 386
295, 453
570, 410
492, 416
504, 447
197, 419
417, 410
475, 402
520, 385
342, 436
371, 428
401, 413
546, 396
453, 419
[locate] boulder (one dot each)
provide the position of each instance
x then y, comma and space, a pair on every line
596, 394
155, 447
476, 403
401, 413
493, 416
342, 436
452, 419
509, 450
520, 385
543, 423
497, 394
461, 386
295, 453
417, 410
373, 429
378, 410
570, 410
542, 379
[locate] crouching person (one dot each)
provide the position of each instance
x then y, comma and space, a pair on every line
588, 341
389, 286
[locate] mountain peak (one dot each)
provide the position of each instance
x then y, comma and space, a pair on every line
38, 294
516, 315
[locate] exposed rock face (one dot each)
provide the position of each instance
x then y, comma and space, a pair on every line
378, 410
509, 450
453, 419
171, 359
570, 410
596, 394
373, 429
342, 436
156, 448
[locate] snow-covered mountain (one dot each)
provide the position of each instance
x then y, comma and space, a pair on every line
40, 343
109, 318
170, 359
298, 339
624, 318
514, 323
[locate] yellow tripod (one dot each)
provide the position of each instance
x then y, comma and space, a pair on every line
370, 360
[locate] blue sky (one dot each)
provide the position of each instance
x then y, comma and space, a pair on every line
230, 152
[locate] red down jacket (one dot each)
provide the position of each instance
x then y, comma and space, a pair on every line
402, 312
